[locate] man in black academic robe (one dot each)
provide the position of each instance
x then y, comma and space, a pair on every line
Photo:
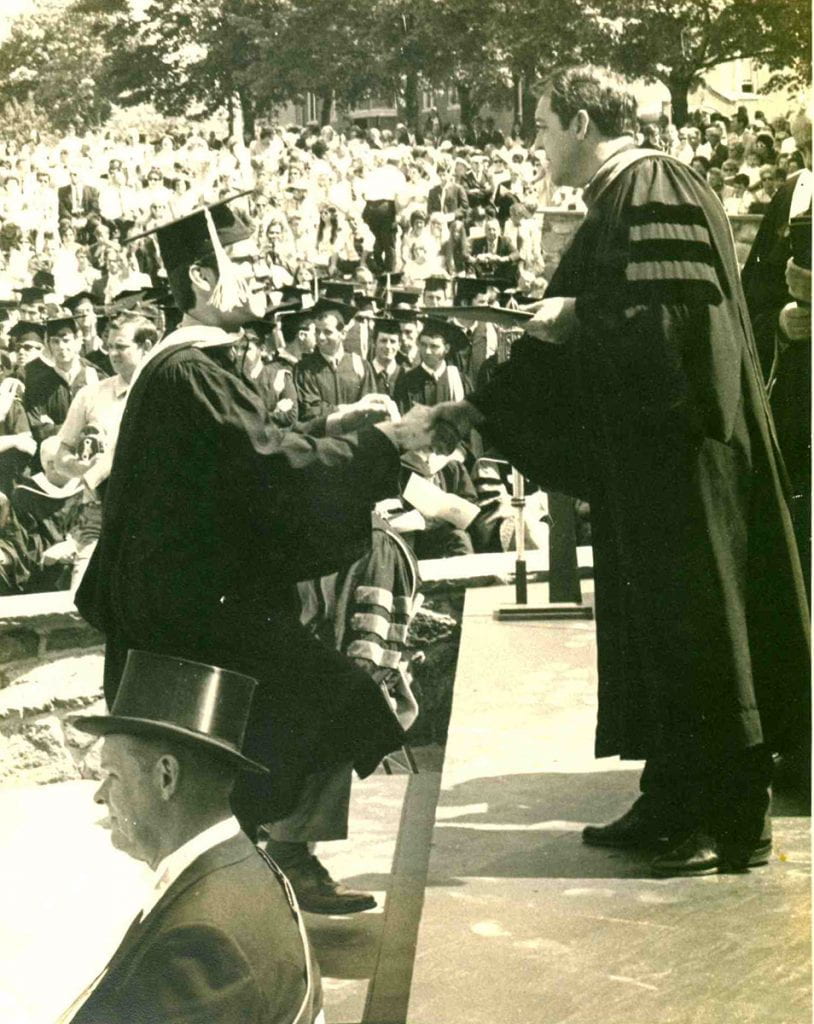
213, 513
637, 387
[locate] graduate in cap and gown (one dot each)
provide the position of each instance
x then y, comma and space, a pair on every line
213, 513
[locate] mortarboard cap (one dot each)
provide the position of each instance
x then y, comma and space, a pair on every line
405, 296
340, 290
325, 305
451, 333
362, 300
467, 288
31, 296
385, 325
72, 301
57, 320
23, 327
186, 240
436, 283
404, 314
295, 291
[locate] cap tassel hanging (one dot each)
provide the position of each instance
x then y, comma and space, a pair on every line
230, 290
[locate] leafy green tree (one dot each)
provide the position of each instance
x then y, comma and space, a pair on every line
55, 63
677, 41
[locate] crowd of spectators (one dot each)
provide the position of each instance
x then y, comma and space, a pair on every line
387, 222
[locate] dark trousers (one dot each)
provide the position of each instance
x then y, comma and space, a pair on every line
380, 217
728, 796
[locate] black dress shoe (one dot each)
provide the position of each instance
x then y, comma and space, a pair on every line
318, 893
701, 854
637, 827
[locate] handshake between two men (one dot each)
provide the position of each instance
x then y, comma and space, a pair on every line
438, 428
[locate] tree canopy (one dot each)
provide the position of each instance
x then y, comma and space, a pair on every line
74, 64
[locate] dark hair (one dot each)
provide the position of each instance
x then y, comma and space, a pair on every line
181, 286
603, 95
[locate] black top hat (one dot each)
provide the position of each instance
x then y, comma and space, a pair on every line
200, 705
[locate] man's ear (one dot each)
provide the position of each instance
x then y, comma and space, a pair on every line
580, 124
166, 773
202, 278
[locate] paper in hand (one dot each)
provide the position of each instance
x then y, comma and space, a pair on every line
434, 503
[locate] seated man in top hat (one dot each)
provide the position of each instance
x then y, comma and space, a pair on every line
219, 936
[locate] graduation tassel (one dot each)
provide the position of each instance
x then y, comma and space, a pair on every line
231, 289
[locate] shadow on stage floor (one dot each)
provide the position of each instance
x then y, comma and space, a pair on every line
529, 826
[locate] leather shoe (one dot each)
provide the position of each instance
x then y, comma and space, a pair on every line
318, 893
636, 827
701, 854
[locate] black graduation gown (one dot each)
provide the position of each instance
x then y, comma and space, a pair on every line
654, 411
212, 514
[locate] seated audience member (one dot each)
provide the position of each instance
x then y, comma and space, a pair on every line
434, 380
765, 191
420, 265
330, 377
219, 937
494, 255
740, 199
448, 197
87, 438
387, 370
415, 233
494, 529
50, 386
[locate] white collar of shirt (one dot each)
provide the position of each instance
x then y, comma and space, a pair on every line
437, 374
388, 368
119, 385
335, 359
172, 866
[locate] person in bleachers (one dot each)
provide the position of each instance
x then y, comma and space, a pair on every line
494, 255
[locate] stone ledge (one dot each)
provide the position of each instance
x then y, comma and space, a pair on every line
65, 684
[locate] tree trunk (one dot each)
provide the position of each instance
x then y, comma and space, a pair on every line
529, 108
517, 99
326, 107
679, 99
249, 109
465, 100
411, 100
